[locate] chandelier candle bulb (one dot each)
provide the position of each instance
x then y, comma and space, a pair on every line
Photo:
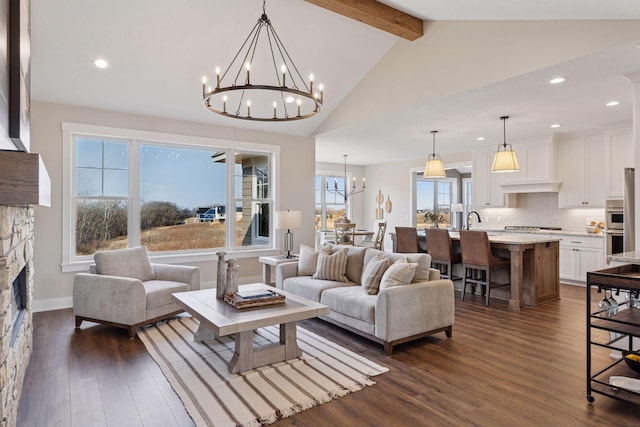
204, 86
248, 67
224, 104
248, 108
321, 93
310, 84
274, 109
298, 102
217, 77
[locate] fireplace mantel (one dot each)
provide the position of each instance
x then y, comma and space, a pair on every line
23, 179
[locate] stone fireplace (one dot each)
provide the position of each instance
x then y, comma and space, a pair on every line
16, 286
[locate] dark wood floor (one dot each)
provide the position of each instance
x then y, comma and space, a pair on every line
501, 368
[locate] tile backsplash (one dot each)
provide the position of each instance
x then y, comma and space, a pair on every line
540, 210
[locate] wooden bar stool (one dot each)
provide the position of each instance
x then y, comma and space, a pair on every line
407, 240
478, 262
441, 250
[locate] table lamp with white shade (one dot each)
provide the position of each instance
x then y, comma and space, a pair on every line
288, 220
456, 207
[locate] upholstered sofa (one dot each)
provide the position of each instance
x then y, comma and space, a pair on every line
389, 315
124, 289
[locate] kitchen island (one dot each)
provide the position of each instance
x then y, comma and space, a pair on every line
535, 265
535, 268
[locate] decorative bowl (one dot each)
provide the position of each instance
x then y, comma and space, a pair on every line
633, 364
590, 228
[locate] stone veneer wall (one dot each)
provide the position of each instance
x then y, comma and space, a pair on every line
16, 252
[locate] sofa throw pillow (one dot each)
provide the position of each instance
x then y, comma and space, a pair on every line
373, 272
308, 259
130, 262
400, 273
332, 266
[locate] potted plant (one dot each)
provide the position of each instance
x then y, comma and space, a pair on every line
433, 218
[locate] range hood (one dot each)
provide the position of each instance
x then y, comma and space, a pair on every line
23, 179
531, 187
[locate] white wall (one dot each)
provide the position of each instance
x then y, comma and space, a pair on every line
52, 288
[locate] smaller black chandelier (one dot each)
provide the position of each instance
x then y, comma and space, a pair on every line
286, 98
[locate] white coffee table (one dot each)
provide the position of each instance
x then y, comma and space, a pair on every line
217, 318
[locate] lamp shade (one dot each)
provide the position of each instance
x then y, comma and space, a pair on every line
288, 220
434, 167
456, 207
505, 160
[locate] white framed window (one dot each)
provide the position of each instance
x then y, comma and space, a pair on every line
177, 195
433, 196
330, 203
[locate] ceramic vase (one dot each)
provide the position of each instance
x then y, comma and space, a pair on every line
221, 275
232, 277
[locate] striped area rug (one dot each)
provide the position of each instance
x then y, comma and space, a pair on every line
213, 396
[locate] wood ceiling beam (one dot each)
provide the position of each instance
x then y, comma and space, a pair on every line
376, 14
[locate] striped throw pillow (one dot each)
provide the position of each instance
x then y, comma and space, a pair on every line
308, 259
372, 273
400, 273
332, 266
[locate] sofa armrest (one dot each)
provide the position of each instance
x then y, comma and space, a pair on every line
434, 274
284, 271
404, 311
178, 273
109, 298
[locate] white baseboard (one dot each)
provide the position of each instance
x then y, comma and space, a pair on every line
51, 304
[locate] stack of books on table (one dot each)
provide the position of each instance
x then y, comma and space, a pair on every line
245, 298
255, 293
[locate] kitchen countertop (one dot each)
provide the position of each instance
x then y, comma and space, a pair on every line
631, 256
516, 238
545, 232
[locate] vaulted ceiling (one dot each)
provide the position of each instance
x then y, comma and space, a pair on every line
475, 62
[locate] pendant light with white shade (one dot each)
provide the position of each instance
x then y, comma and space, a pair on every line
505, 159
434, 168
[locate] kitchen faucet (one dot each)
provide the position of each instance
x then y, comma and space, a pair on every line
477, 216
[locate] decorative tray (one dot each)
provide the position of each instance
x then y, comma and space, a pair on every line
240, 303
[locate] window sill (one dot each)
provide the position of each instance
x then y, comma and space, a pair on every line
178, 258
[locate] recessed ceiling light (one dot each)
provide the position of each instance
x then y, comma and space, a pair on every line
555, 125
480, 138
613, 103
101, 63
556, 80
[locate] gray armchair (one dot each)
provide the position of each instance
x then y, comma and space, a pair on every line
124, 289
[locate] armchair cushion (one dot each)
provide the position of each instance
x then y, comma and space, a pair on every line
158, 292
131, 262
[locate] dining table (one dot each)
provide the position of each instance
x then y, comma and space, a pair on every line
535, 265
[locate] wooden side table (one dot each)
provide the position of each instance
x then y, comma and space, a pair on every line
272, 261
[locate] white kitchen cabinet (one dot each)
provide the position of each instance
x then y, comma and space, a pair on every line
537, 168
579, 255
485, 184
618, 154
581, 170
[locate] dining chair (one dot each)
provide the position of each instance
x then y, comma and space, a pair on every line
440, 248
345, 233
407, 240
478, 262
375, 240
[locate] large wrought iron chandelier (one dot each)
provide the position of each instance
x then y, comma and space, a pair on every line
286, 96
